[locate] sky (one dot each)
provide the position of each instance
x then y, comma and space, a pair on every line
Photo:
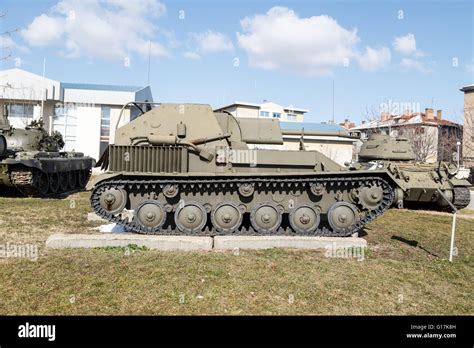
378, 55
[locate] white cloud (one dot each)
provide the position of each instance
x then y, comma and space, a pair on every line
374, 59
207, 42
280, 40
413, 64
111, 29
44, 30
191, 55
8, 46
406, 45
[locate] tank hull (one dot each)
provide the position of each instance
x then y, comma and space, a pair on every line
184, 169
45, 177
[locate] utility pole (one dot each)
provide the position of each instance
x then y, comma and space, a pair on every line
44, 89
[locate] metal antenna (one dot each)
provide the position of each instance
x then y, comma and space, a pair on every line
149, 62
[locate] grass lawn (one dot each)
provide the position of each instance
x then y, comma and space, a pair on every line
405, 271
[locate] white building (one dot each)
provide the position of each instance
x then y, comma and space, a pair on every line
265, 110
86, 114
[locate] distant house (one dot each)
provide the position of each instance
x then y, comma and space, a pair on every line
85, 114
433, 138
265, 110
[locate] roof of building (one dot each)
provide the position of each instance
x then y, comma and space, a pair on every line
255, 105
467, 88
406, 119
310, 126
99, 87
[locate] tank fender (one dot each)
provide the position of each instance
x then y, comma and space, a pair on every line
94, 180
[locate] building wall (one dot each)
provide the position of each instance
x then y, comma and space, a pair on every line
88, 96
468, 136
244, 111
255, 111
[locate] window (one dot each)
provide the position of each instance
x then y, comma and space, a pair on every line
291, 117
65, 122
20, 110
276, 115
264, 114
104, 123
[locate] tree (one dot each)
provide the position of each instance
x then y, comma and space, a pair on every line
6, 42
423, 140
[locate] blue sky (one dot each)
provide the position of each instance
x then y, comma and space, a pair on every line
289, 54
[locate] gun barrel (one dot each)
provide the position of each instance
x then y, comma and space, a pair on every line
342, 134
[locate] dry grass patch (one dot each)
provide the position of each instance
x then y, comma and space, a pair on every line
404, 272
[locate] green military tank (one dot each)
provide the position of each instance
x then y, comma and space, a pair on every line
184, 169
418, 184
32, 164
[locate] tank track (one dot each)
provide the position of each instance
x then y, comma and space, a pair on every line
23, 180
221, 185
462, 197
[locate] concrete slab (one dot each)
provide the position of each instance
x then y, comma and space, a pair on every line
267, 242
94, 217
166, 243
471, 204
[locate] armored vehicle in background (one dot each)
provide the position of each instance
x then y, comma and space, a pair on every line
184, 169
32, 163
417, 183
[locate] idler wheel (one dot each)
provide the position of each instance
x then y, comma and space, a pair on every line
265, 218
226, 217
304, 219
113, 200
72, 179
53, 182
190, 217
150, 214
342, 217
63, 181
42, 182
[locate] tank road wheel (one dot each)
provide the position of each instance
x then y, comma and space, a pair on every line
53, 182
304, 219
72, 179
150, 215
113, 200
82, 178
190, 217
63, 181
41, 182
265, 218
226, 217
342, 218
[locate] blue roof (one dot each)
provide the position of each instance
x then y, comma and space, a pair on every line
94, 87
309, 126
